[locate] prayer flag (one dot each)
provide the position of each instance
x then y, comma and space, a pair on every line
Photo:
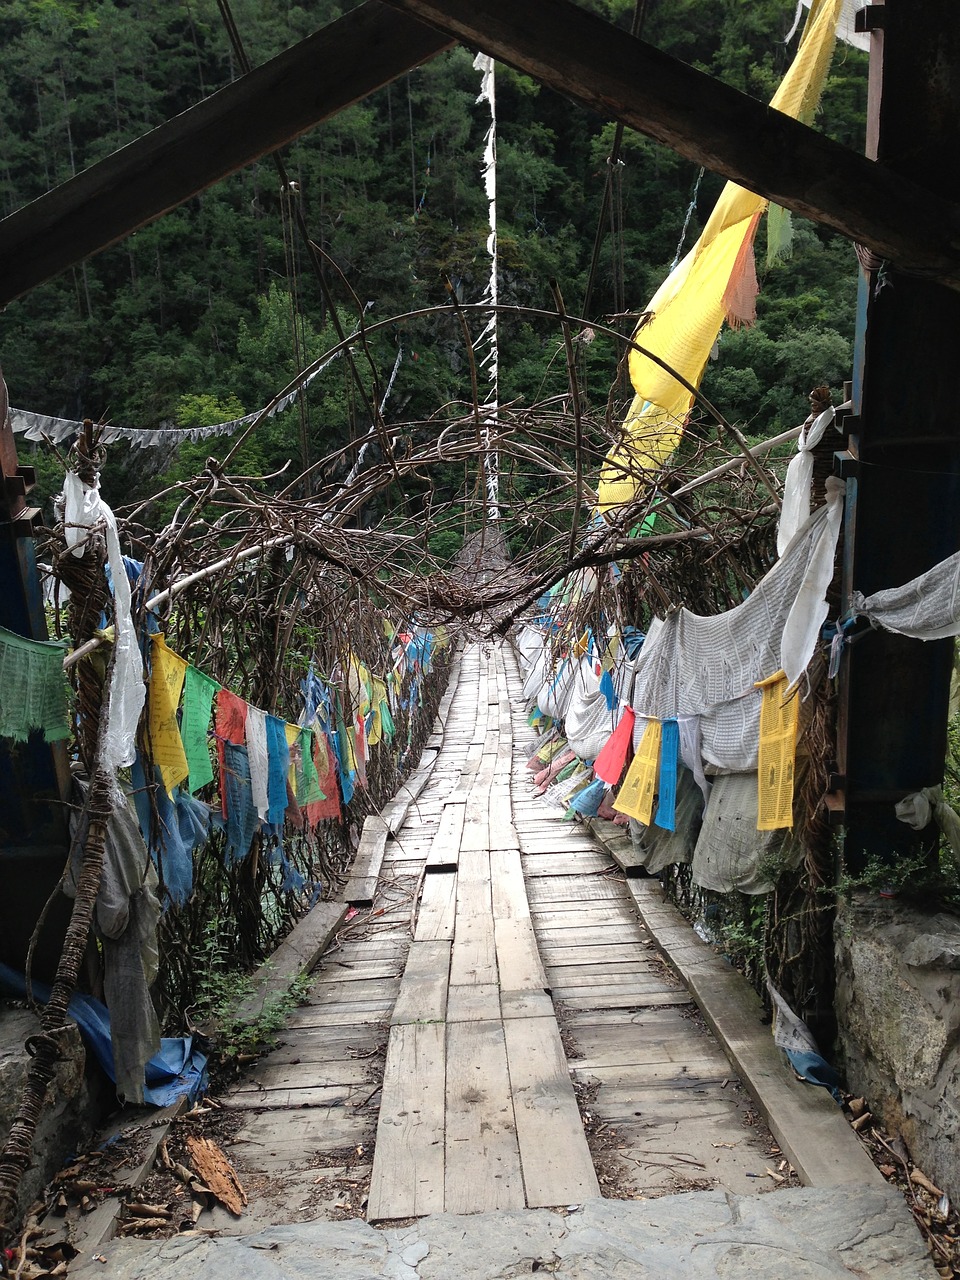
609, 764
166, 685
776, 757
198, 691
639, 786
34, 692
669, 752
716, 280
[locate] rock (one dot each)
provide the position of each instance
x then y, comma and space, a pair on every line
898, 1008
933, 950
806, 1234
66, 1121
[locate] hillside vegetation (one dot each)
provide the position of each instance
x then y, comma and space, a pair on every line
208, 312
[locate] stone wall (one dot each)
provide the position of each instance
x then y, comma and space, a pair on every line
898, 1008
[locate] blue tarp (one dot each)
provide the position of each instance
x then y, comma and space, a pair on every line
179, 1068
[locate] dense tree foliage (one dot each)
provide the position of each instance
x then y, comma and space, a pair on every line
210, 310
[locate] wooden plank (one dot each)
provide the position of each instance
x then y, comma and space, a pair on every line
509, 892
482, 1154
474, 948
582, 57
626, 1047
363, 990
593, 935
94, 1229
331, 1059
335, 975
282, 1139
445, 850
563, 863
529, 1003
477, 1002
557, 1169
559, 843
437, 910
474, 959
286, 1099
610, 994
333, 1015
803, 1121
408, 1165
297, 955
502, 833
677, 998
474, 866
667, 1073
476, 825
593, 916
423, 992
573, 889
396, 811
518, 959
599, 971
362, 882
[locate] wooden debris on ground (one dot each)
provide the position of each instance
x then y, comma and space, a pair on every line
216, 1172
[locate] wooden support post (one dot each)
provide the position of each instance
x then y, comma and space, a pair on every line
906, 517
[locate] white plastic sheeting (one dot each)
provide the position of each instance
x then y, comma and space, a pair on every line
84, 510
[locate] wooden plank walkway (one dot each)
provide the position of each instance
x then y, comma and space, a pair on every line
478, 1111
499, 971
667, 1113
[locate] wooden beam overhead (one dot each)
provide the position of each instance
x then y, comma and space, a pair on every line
558, 43
256, 114
601, 67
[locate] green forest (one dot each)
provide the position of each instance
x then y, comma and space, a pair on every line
208, 312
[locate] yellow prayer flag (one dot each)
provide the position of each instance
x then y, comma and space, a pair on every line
716, 279
375, 730
166, 686
635, 797
777, 753
292, 734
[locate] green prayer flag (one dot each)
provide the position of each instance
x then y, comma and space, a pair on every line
198, 692
308, 784
34, 691
387, 726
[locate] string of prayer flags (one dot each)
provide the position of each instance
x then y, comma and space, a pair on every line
388, 728
346, 759
198, 693
635, 798
609, 764
669, 751
167, 674
34, 692
776, 758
